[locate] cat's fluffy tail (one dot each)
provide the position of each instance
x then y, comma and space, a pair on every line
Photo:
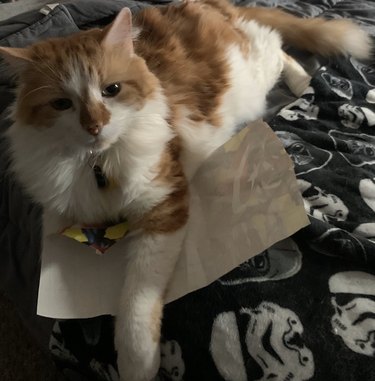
320, 36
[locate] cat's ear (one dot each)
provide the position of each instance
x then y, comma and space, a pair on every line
119, 33
17, 58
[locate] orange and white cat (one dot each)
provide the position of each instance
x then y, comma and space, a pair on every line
147, 101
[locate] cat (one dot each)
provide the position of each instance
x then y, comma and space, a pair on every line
144, 101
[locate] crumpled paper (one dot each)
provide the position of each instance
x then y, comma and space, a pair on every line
244, 199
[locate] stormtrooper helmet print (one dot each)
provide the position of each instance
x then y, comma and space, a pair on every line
172, 366
322, 205
353, 302
302, 108
274, 340
355, 117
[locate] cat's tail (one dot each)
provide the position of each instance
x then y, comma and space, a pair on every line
316, 35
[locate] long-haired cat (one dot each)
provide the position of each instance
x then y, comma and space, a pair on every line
146, 102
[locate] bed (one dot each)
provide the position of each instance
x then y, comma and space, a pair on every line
303, 309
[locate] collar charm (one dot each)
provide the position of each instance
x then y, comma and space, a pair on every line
99, 238
100, 177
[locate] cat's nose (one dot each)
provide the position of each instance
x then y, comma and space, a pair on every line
94, 129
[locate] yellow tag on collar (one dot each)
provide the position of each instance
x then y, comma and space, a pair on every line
99, 238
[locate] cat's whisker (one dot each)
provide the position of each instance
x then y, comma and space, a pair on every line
52, 78
34, 90
56, 76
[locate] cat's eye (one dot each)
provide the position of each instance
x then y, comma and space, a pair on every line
61, 104
111, 90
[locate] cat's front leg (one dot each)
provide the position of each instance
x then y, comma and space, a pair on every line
152, 258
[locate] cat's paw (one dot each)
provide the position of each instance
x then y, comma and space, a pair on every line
296, 77
139, 361
299, 85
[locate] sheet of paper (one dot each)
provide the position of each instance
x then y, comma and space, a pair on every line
244, 199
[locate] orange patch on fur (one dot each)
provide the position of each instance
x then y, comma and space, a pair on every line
173, 42
172, 213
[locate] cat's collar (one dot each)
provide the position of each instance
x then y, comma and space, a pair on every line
100, 178
100, 237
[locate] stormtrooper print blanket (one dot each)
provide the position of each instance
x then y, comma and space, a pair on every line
302, 310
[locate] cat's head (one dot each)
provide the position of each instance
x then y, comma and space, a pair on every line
83, 90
